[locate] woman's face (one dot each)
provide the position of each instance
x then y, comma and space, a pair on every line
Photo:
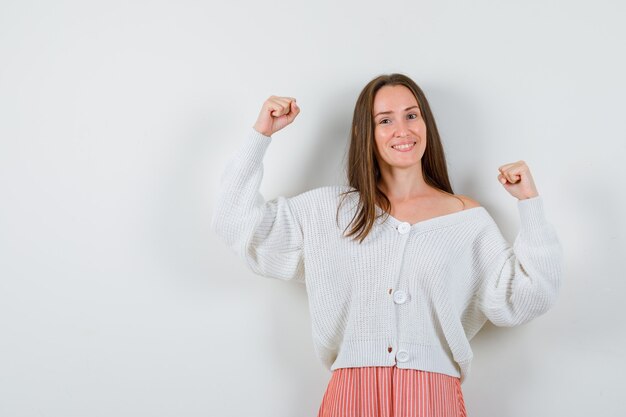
399, 129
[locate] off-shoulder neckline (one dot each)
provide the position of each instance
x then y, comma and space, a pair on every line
431, 223
437, 221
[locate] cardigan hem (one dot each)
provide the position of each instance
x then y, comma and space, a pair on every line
357, 353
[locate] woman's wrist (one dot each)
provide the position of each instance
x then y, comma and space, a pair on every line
530, 196
261, 131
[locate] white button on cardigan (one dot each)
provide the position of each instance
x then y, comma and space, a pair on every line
399, 297
404, 227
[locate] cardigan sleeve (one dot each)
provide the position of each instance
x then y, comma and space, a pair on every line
266, 235
521, 282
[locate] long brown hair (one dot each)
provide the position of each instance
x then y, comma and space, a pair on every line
363, 171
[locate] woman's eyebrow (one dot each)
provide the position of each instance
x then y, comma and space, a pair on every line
389, 111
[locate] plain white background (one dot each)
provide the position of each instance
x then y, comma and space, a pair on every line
117, 117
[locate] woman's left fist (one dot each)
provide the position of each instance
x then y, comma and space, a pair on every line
516, 179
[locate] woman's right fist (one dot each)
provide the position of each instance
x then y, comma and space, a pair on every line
276, 113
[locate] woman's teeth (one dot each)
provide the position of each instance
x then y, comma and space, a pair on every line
404, 147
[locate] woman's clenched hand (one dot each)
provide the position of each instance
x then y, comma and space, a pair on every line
276, 113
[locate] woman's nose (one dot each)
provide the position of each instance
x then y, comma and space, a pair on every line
402, 129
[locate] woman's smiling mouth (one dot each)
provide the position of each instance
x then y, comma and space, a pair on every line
405, 147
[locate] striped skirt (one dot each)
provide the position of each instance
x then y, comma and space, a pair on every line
379, 391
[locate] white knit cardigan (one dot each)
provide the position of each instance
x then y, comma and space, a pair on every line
408, 295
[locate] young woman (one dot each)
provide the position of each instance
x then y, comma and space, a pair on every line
400, 272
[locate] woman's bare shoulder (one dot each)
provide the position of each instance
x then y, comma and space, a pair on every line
469, 202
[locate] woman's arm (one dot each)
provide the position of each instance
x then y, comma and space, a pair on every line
521, 282
267, 235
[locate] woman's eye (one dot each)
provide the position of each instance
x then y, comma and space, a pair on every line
383, 121
413, 114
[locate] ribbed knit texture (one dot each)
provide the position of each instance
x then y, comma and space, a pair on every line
409, 295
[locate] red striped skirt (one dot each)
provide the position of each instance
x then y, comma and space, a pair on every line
379, 391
